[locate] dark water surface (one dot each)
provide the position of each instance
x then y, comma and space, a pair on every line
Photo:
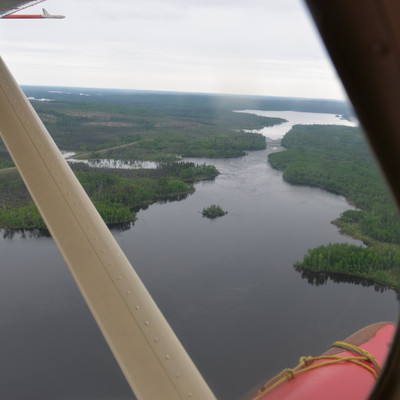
227, 286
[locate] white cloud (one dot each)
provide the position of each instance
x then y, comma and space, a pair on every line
239, 46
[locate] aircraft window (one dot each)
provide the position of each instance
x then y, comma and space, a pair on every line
218, 144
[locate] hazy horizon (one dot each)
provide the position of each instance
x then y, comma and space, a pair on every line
261, 48
155, 91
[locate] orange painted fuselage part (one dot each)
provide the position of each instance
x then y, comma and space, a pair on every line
344, 381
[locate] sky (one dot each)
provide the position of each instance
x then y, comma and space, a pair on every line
256, 47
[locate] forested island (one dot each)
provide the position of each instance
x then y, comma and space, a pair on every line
337, 159
213, 211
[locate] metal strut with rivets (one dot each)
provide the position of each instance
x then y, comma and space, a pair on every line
151, 357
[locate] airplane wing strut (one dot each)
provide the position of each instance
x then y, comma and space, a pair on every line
153, 360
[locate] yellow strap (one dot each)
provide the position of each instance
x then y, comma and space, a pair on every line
361, 352
364, 359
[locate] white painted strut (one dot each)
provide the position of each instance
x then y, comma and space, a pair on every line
150, 355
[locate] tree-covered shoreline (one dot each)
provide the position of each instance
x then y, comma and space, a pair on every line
124, 129
379, 264
142, 126
132, 127
337, 159
117, 194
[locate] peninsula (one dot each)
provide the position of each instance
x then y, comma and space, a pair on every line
337, 159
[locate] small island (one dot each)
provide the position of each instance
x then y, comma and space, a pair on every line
213, 211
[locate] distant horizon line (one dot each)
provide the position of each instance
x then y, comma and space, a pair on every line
183, 92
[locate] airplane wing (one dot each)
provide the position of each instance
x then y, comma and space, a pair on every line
8, 7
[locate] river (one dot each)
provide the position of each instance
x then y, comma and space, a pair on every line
227, 286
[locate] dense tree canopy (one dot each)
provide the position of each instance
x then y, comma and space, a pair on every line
337, 159
213, 211
115, 193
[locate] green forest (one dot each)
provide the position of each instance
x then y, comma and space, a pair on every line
137, 126
128, 130
131, 126
117, 194
213, 211
337, 159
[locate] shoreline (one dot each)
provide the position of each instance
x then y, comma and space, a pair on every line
336, 277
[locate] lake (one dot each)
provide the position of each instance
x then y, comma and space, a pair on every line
227, 287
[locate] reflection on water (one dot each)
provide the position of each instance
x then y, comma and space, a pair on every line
25, 233
321, 278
